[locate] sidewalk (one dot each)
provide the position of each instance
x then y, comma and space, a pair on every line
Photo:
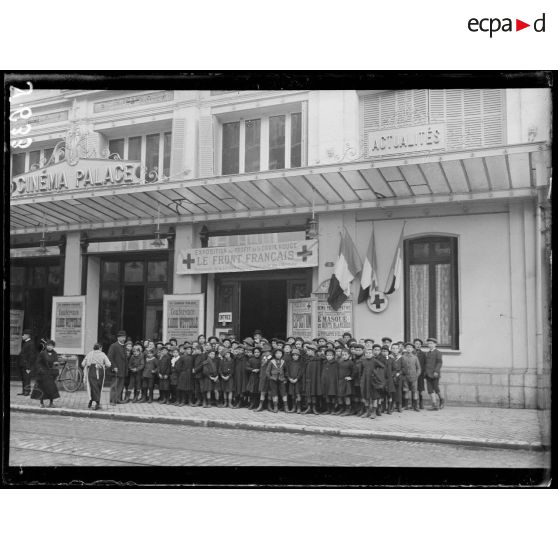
472, 426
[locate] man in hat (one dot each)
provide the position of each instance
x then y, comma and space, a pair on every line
433, 371
117, 356
27, 358
422, 361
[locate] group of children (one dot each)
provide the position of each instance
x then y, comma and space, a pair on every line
344, 377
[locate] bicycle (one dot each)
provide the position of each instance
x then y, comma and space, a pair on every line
71, 378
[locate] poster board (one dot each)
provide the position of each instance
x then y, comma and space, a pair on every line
16, 331
183, 317
302, 317
68, 324
333, 323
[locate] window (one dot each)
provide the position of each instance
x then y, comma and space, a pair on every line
431, 308
153, 150
33, 160
269, 142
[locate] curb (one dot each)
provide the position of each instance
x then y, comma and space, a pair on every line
290, 428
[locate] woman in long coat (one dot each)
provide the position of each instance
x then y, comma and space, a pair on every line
94, 365
46, 375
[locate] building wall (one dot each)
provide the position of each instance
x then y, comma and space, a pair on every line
492, 365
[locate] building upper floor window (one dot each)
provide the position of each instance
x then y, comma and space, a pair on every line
472, 117
153, 150
266, 143
27, 161
431, 301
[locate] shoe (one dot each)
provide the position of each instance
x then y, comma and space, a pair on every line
98, 408
306, 411
52, 406
378, 412
415, 406
22, 393
42, 405
314, 411
372, 416
89, 404
442, 403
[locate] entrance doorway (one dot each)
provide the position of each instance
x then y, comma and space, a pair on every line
132, 310
263, 305
258, 300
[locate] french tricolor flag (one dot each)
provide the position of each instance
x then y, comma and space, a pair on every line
369, 282
348, 266
396, 271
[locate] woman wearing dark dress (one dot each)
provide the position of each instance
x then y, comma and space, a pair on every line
47, 374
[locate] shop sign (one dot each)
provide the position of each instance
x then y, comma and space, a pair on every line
302, 317
225, 317
16, 331
183, 317
258, 257
86, 174
407, 140
68, 324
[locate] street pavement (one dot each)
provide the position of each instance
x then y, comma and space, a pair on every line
478, 426
38, 440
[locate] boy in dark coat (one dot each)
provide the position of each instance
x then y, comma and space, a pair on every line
295, 369
150, 369
345, 373
390, 384
372, 382
396, 371
411, 371
164, 373
226, 373
312, 379
330, 370
135, 367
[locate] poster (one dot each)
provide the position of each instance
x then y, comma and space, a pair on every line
255, 257
331, 323
301, 317
183, 317
16, 330
68, 324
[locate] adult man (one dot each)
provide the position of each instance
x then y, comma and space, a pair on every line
27, 358
422, 361
410, 369
433, 367
117, 356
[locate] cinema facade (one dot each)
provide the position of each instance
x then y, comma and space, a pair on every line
216, 211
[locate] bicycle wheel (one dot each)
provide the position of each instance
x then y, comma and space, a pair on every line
70, 379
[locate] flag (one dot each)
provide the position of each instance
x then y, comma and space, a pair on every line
394, 277
369, 282
348, 266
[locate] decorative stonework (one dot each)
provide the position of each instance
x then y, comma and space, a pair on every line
133, 100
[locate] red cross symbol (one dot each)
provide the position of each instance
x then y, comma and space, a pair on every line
189, 261
305, 253
378, 301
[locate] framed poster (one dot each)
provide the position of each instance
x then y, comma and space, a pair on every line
183, 317
302, 317
68, 324
333, 323
16, 331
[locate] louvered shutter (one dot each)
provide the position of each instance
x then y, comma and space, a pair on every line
206, 146
178, 147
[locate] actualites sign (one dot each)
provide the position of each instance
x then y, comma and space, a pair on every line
87, 173
258, 257
407, 140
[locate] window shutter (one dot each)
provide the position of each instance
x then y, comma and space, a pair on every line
178, 147
206, 146
493, 117
420, 106
437, 105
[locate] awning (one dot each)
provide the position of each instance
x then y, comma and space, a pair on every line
390, 182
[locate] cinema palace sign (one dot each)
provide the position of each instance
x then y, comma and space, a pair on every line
86, 174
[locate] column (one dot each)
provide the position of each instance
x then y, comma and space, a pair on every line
72, 265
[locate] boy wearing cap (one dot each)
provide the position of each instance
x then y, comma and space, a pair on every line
276, 376
312, 379
372, 382
330, 371
345, 373
356, 356
410, 368
240, 376
27, 359
390, 384
396, 371
295, 369
264, 380
433, 371
226, 373
253, 387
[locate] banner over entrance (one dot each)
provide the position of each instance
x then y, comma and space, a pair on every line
257, 257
